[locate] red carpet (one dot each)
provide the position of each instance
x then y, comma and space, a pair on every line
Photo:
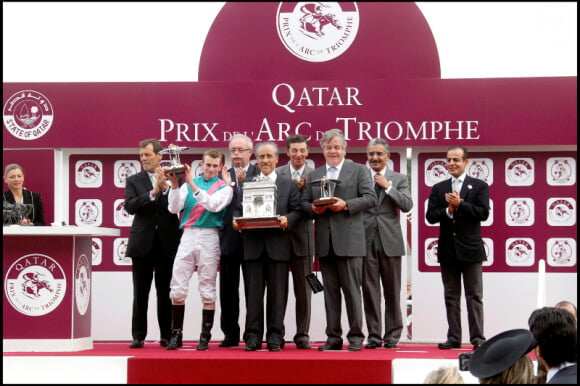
154, 364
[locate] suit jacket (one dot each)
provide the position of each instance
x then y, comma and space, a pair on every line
275, 241
231, 239
346, 227
567, 375
149, 217
30, 198
302, 234
386, 215
460, 237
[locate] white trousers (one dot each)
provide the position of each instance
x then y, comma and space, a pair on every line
198, 247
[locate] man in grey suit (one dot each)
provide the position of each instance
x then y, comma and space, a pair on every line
267, 257
340, 237
302, 253
385, 246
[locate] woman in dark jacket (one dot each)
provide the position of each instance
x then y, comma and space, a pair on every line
17, 194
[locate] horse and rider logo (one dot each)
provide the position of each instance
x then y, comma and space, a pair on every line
317, 31
35, 284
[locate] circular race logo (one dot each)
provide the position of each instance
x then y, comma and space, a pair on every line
28, 115
315, 31
435, 171
519, 171
82, 284
35, 284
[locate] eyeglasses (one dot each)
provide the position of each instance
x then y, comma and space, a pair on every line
238, 150
377, 153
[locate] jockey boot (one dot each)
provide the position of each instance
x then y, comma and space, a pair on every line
177, 313
206, 325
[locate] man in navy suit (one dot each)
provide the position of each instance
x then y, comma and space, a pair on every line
556, 332
153, 241
267, 257
232, 250
302, 239
459, 205
340, 237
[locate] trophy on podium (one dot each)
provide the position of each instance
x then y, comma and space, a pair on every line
259, 205
327, 187
176, 165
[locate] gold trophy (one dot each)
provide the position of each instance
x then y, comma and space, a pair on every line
176, 165
327, 187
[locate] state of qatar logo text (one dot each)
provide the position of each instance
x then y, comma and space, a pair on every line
35, 285
28, 115
317, 31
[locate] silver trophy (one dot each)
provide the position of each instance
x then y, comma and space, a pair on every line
176, 166
327, 187
259, 205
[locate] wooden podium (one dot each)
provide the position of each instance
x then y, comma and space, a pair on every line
47, 287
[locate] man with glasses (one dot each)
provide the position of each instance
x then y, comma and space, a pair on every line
385, 246
232, 251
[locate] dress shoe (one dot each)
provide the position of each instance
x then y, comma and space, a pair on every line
253, 346
303, 345
330, 346
229, 343
354, 347
136, 343
477, 343
390, 345
163, 342
448, 344
274, 347
373, 344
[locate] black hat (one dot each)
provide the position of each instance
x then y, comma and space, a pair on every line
500, 352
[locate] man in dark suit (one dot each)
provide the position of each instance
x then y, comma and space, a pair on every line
267, 257
153, 241
340, 237
232, 251
459, 205
556, 332
302, 253
385, 246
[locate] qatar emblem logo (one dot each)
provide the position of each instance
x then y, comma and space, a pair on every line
519, 211
119, 251
431, 249
481, 168
82, 284
561, 211
35, 285
561, 171
89, 212
123, 170
97, 251
520, 252
435, 171
28, 115
488, 247
88, 174
519, 171
317, 31
121, 216
561, 252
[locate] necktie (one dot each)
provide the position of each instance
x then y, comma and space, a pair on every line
296, 174
153, 179
377, 187
456, 185
332, 173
